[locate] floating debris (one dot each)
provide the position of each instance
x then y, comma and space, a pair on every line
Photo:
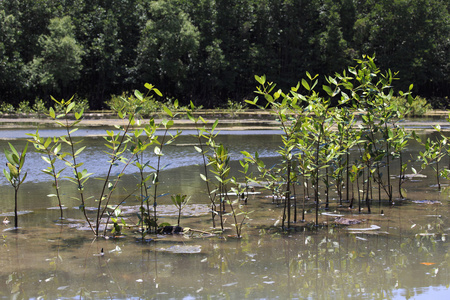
187, 249
427, 202
230, 284
372, 227
347, 221
331, 214
190, 210
171, 230
410, 176
427, 263
56, 207
235, 194
19, 213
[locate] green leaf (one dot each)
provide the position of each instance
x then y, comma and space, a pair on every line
328, 90
214, 125
305, 84
261, 80
138, 95
70, 107
203, 177
198, 149
157, 92
157, 151
168, 111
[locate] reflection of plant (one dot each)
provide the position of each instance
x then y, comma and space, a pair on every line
14, 172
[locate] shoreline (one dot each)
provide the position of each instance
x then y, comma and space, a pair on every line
243, 120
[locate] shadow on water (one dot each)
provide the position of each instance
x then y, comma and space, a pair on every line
402, 253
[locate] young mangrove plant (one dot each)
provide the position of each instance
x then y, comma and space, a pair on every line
203, 133
285, 108
116, 142
219, 160
165, 139
13, 174
433, 153
50, 148
180, 201
238, 206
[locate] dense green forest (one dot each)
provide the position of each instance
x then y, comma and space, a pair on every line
208, 51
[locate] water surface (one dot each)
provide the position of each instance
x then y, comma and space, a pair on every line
406, 257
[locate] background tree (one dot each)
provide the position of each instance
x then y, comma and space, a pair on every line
168, 45
207, 51
60, 60
11, 63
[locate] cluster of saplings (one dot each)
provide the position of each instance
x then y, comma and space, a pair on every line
354, 112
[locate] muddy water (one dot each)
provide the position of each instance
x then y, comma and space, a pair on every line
400, 254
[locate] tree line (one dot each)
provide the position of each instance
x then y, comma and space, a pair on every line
208, 51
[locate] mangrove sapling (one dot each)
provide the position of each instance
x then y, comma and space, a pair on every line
371, 93
319, 134
166, 139
400, 141
116, 142
347, 137
180, 201
220, 163
240, 209
204, 133
50, 148
15, 162
285, 108
304, 156
70, 158
433, 153
139, 145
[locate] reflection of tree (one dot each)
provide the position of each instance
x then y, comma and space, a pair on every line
308, 264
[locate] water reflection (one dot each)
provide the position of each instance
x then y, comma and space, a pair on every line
406, 258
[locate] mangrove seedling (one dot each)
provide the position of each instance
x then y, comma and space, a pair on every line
14, 172
50, 149
180, 201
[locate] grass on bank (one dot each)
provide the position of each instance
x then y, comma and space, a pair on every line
39, 107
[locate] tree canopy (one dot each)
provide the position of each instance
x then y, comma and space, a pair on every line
208, 51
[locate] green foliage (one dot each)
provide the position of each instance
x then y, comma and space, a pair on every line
117, 144
180, 201
7, 108
24, 107
80, 105
418, 107
39, 107
209, 50
13, 174
148, 105
236, 106
59, 62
